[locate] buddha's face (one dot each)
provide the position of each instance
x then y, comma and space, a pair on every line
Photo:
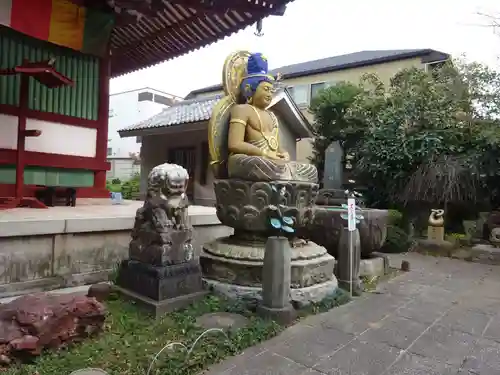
263, 95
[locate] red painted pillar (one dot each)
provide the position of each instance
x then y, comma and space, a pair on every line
21, 129
103, 118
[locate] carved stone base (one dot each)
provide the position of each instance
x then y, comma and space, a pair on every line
240, 264
160, 283
176, 248
442, 247
298, 296
243, 205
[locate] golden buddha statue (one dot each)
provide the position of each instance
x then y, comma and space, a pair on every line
249, 148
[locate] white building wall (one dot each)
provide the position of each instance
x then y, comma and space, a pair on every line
125, 109
8, 132
78, 140
124, 169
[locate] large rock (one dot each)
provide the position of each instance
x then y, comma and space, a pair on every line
34, 322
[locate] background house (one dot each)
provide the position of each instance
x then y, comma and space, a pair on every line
305, 80
179, 134
123, 168
130, 107
71, 123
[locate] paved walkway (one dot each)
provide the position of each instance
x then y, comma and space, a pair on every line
442, 318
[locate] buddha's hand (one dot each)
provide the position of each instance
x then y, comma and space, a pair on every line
283, 156
272, 156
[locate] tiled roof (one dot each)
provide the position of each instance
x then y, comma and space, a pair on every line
330, 64
187, 111
173, 28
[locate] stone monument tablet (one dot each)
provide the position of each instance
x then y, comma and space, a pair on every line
332, 177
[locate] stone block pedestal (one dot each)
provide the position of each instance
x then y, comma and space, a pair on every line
161, 289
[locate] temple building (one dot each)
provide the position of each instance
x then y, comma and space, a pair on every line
55, 65
178, 135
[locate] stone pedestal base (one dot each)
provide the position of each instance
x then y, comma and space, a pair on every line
160, 288
298, 296
235, 269
235, 263
284, 315
160, 308
376, 266
442, 247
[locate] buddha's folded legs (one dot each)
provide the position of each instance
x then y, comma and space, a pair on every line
255, 168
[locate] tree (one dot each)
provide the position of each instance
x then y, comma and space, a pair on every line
427, 136
428, 139
331, 124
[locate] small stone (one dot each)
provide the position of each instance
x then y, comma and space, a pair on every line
405, 266
26, 343
99, 291
223, 320
9, 330
4, 360
89, 371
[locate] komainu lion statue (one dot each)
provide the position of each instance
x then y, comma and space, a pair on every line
166, 202
167, 184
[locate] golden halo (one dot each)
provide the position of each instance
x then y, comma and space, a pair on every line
235, 68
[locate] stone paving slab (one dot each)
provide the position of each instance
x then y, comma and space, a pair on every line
314, 345
441, 318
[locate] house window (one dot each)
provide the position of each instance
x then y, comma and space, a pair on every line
110, 151
300, 94
163, 100
316, 89
145, 96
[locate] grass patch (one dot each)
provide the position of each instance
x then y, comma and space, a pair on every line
370, 283
131, 340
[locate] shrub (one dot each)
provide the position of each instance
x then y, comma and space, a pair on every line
113, 188
130, 188
395, 218
397, 240
116, 181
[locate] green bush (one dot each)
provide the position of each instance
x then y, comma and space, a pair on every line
113, 188
395, 218
457, 239
458, 236
116, 181
397, 240
130, 188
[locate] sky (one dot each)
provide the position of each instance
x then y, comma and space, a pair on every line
315, 29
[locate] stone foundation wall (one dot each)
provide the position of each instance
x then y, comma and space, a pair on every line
39, 262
